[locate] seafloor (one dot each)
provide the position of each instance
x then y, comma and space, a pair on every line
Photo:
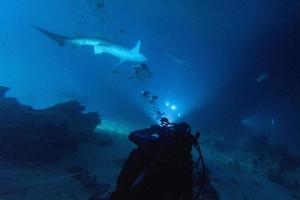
51, 182
99, 158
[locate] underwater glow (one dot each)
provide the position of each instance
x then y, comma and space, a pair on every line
173, 107
167, 103
170, 111
113, 127
260, 122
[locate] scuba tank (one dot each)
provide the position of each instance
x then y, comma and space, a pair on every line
202, 184
200, 161
173, 152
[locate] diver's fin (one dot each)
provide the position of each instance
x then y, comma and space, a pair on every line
98, 50
60, 39
137, 47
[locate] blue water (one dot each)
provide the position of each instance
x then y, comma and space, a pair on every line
209, 61
201, 53
217, 43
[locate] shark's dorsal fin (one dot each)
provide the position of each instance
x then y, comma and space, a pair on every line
137, 47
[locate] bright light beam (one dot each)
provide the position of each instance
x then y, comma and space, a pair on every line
173, 107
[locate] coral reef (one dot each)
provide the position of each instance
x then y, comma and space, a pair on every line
207, 190
272, 158
46, 135
89, 181
276, 162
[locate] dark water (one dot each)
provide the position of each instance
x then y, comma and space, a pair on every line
227, 67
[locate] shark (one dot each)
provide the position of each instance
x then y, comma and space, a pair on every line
100, 45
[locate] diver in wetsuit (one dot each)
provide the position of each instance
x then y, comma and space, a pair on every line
160, 167
141, 71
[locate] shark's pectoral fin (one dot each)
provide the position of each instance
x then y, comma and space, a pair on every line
98, 50
137, 47
121, 61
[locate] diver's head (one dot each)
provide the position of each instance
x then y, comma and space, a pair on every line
164, 121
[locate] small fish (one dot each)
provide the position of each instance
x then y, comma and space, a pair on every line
115, 72
100, 5
262, 77
154, 97
145, 94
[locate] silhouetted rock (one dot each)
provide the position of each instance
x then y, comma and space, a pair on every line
102, 139
3, 91
27, 134
276, 162
119, 162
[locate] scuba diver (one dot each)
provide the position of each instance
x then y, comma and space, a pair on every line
140, 71
161, 167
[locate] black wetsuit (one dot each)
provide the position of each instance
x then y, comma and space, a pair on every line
160, 168
136, 162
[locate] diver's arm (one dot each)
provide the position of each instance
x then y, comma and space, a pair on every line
141, 136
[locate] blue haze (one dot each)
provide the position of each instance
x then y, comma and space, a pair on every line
226, 46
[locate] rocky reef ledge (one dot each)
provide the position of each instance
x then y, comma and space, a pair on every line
46, 135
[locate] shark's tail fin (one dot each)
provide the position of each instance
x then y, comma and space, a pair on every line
61, 40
